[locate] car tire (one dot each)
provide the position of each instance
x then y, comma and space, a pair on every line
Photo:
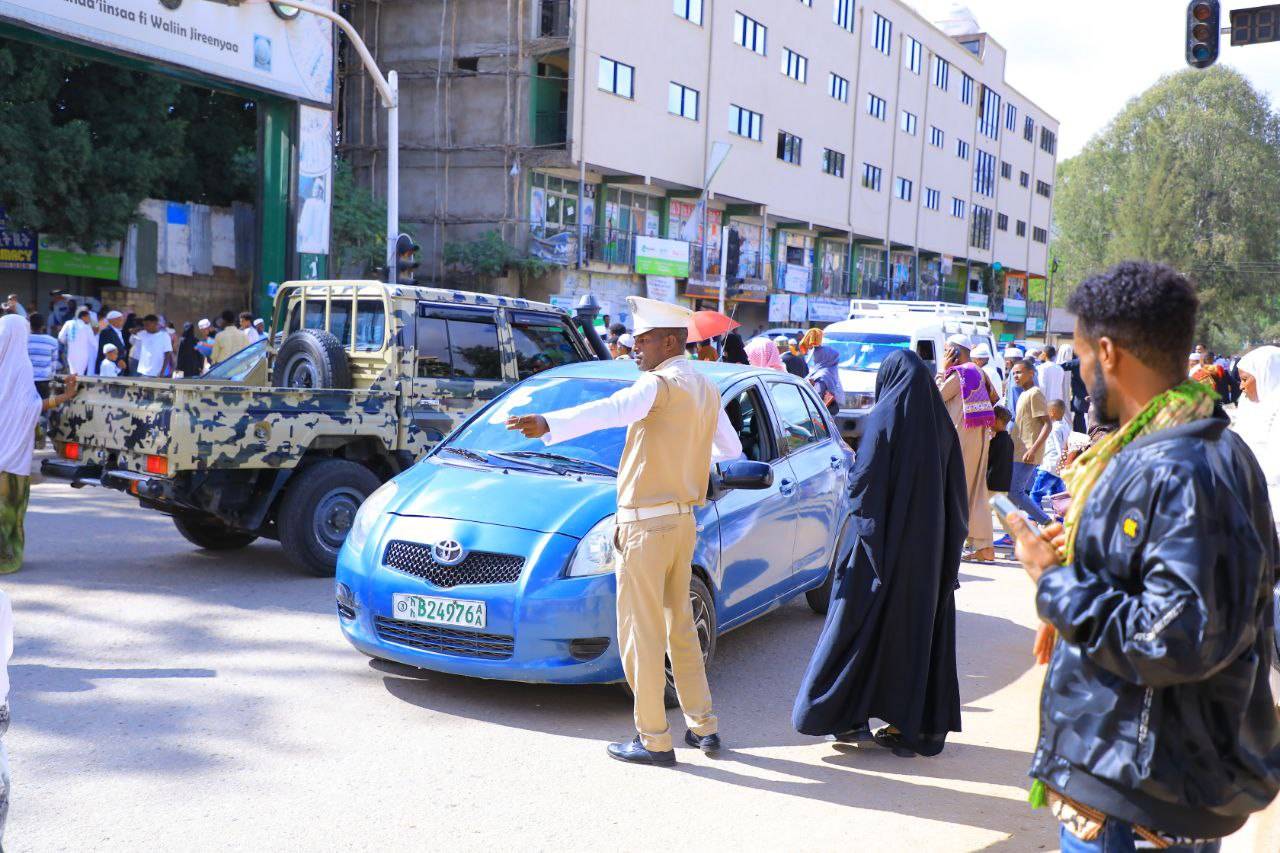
704, 621
319, 505
210, 533
311, 358
819, 597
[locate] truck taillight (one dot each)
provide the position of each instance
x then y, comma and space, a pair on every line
157, 465
70, 450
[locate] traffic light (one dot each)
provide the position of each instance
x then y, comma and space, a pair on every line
406, 260
1202, 33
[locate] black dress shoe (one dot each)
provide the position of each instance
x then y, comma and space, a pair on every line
892, 740
707, 743
854, 736
633, 752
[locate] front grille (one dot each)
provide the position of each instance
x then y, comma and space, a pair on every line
345, 612
445, 641
479, 567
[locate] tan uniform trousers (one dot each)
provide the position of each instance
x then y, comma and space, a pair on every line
656, 618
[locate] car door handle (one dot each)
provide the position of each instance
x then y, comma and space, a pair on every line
786, 487
837, 463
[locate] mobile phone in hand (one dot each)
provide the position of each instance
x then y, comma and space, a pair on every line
1006, 508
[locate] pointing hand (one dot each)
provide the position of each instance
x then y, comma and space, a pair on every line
532, 426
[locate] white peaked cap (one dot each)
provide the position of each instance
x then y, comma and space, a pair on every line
960, 341
649, 314
204, 324
625, 340
111, 347
114, 315
259, 322
1013, 352
981, 351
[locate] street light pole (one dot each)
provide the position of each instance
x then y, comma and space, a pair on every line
389, 91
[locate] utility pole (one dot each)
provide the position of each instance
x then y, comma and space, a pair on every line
388, 89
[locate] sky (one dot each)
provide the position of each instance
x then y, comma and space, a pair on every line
1082, 61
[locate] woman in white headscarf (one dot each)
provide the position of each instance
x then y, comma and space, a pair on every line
1258, 421
20, 407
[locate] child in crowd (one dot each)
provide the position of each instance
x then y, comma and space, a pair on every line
1000, 462
111, 361
1047, 481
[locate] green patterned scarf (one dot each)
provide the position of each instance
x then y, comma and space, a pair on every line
1182, 404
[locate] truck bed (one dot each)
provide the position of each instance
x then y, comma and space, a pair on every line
197, 426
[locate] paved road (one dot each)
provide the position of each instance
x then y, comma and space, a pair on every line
165, 697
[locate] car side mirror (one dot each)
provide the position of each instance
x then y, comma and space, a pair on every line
746, 474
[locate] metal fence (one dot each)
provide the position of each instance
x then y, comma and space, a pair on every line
610, 246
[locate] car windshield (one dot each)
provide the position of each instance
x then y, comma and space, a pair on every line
238, 367
488, 433
864, 350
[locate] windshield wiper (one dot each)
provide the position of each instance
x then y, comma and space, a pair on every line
569, 460
467, 454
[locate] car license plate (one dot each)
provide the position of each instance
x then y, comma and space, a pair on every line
438, 611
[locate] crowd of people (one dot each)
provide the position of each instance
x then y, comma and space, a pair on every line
83, 341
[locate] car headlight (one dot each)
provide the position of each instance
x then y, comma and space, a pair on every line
855, 402
368, 513
594, 555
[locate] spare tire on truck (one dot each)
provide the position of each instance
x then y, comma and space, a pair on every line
311, 358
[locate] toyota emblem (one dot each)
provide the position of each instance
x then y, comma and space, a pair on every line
448, 552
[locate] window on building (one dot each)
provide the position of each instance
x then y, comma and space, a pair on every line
838, 87
984, 174
833, 163
1020, 228
932, 198
682, 101
789, 147
749, 33
1043, 188
1028, 128
843, 14
989, 114
876, 106
1024, 180
966, 89
936, 136
559, 203
617, 77
1006, 170
871, 176
957, 207
690, 10
744, 122
1002, 222
980, 228
883, 35
908, 123
630, 212
962, 149
914, 55
1048, 141
1040, 235
902, 188
1010, 117
941, 73
794, 65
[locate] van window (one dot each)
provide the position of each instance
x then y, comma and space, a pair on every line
371, 325
864, 350
458, 344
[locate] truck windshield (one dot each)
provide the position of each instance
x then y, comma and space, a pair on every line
864, 350
488, 433
238, 367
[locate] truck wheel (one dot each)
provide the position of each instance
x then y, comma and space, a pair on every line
311, 358
208, 532
319, 505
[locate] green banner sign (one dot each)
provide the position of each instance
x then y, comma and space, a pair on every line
58, 260
656, 256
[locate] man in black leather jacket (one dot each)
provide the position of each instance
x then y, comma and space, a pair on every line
1157, 719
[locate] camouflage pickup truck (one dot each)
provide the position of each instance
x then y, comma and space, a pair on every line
284, 440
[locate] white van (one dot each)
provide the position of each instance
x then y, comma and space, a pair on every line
877, 327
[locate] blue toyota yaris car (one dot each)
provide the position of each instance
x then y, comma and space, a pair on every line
492, 557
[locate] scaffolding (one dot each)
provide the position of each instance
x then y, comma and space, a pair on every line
503, 39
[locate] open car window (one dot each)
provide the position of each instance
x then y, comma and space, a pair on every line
750, 419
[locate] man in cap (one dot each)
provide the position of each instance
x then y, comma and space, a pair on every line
112, 364
1012, 355
969, 397
229, 341
251, 333
981, 356
112, 333
1050, 377
261, 326
676, 429
622, 348
81, 343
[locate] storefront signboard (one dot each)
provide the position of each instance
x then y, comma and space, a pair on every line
828, 310
102, 262
977, 300
799, 309
779, 308
656, 256
18, 247
661, 287
1015, 310
795, 278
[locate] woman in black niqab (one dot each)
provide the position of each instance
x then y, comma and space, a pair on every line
735, 351
888, 648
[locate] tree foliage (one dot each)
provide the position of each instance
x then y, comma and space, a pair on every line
359, 237
83, 143
1188, 174
489, 256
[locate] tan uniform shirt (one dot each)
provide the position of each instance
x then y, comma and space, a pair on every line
1032, 415
227, 343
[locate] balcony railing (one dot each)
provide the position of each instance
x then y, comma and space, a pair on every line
555, 18
610, 246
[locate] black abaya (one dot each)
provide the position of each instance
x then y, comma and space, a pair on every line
888, 648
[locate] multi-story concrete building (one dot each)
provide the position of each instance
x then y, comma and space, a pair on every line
873, 153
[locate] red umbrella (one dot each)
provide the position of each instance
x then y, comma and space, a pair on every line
704, 325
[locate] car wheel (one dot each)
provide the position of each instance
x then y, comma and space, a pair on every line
819, 597
704, 622
311, 358
210, 533
319, 506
